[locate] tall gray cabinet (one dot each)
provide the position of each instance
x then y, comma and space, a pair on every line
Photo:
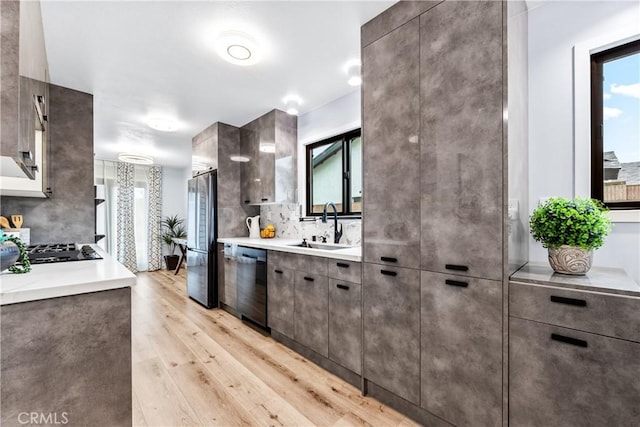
434, 228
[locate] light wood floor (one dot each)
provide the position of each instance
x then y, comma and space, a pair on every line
193, 366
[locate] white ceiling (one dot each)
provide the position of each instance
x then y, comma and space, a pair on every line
157, 58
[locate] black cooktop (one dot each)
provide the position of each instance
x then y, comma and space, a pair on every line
60, 252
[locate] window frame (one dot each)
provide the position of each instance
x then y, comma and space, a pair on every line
345, 138
597, 61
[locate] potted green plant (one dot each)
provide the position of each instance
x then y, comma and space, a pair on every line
570, 230
172, 227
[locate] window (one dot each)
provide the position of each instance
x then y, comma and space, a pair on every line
334, 174
615, 126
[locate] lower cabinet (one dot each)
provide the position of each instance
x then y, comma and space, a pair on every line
461, 339
312, 311
392, 329
227, 277
345, 324
280, 299
564, 377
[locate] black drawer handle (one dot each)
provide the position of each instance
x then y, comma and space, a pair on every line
569, 301
309, 279
249, 256
342, 264
569, 340
456, 283
456, 267
345, 287
388, 273
278, 271
388, 259
247, 201
264, 199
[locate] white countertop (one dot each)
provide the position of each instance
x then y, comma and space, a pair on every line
65, 278
353, 253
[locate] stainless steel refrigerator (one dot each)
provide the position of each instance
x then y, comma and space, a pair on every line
202, 232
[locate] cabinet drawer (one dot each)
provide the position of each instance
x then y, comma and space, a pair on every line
605, 314
282, 260
560, 382
345, 324
348, 271
312, 264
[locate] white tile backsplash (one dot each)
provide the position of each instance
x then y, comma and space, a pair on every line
286, 220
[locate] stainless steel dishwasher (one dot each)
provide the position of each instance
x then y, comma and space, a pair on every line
251, 279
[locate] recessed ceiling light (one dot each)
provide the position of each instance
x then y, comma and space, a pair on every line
239, 158
161, 124
292, 104
138, 159
353, 70
238, 48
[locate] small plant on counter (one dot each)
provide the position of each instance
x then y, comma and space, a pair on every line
570, 230
23, 258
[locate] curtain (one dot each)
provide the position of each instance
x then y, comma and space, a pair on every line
126, 239
154, 195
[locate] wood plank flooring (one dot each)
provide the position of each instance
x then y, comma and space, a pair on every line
193, 366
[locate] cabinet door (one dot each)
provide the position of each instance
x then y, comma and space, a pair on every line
461, 348
461, 138
391, 150
345, 324
250, 187
392, 329
312, 311
563, 377
280, 297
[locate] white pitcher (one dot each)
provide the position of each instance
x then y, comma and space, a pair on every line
253, 224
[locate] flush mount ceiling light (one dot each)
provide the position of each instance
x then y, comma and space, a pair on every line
268, 147
162, 124
135, 158
292, 104
239, 158
353, 69
238, 48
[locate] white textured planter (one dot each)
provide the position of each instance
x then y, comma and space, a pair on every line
570, 260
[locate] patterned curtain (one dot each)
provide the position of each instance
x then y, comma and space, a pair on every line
126, 240
154, 180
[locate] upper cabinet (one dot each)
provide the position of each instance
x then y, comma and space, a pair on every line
268, 152
24, 101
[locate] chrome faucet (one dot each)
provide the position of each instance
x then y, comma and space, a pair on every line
337, 234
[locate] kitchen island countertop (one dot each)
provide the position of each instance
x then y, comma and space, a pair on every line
64, 279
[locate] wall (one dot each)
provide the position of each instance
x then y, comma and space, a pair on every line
174, 191
68, 215
554, 29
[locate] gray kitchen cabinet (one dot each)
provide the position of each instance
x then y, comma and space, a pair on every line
228, 277
461, 140
564, 377
269, 144
348, 271
461, 355
345, 324
281, 299
312, 311
391, 126
391, 320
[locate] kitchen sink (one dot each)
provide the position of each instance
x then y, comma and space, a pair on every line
325, 246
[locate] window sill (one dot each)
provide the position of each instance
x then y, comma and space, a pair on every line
330, 217
625, 215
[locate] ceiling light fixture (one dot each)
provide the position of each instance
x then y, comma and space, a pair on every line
238, 48
239, 158
354, 71
292, 104
161, 124
135, 158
